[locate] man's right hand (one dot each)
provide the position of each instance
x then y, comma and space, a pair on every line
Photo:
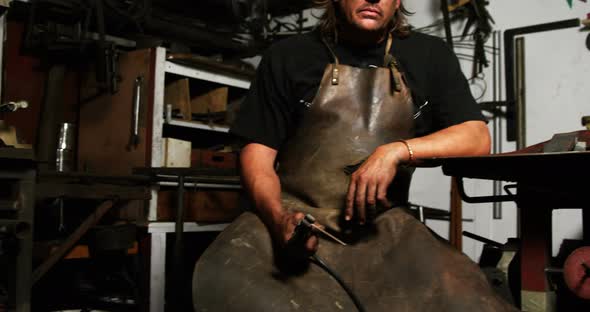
284, 235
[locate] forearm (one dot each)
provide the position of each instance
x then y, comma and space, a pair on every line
261, 182
265, 191
466, 139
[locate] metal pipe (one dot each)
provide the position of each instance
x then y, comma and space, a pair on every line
178, 244
18, 229
52, 112
497, 185
520, 87
483, 239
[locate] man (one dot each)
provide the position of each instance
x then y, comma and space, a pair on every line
331, 122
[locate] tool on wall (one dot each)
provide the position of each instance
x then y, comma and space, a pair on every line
13, 106
586, 23
137, 91
479, 25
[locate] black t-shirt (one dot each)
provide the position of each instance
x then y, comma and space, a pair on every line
290, 71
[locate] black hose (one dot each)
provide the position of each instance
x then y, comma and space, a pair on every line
320, 262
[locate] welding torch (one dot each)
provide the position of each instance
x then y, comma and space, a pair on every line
303, 230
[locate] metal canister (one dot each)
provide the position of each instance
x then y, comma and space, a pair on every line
66, 147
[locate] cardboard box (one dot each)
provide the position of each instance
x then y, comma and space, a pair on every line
177, 153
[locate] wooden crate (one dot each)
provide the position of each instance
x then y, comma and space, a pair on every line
177, 94
213, 101
200, 205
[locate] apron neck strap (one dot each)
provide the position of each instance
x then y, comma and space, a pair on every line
329, 46
389, 43
335, 73
336, 61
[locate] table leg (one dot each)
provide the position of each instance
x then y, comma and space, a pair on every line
586, 225
535, 257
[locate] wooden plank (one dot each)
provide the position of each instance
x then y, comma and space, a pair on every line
177, 94
89, 222
213, 101
92, 191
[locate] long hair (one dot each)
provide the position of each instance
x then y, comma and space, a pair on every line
329, 20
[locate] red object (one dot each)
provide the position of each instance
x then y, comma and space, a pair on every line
576, 272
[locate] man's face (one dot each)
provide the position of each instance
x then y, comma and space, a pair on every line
369, 15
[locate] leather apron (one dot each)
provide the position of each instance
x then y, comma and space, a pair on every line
354, 111
397, 265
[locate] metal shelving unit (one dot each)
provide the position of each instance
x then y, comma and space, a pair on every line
161, 116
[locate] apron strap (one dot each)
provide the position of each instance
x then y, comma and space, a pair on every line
335, 74
335, 79
388, 58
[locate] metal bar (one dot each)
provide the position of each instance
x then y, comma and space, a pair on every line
52, 112
157, 271
520, 108
2, 37
481, 199
196, 125
586, 225
207, 75
509, 36
168, 227
204, 185
447, 21
89, 222
483, 239
496, 206
92, 191
94, 178
178, 248
155, 136
24, 261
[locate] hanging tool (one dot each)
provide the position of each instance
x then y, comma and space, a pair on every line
13, 106
137, 90
61, 227
477, 16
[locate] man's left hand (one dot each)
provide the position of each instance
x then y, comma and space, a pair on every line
369, 183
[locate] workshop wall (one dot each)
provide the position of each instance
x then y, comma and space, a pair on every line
24, 78
557, 96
